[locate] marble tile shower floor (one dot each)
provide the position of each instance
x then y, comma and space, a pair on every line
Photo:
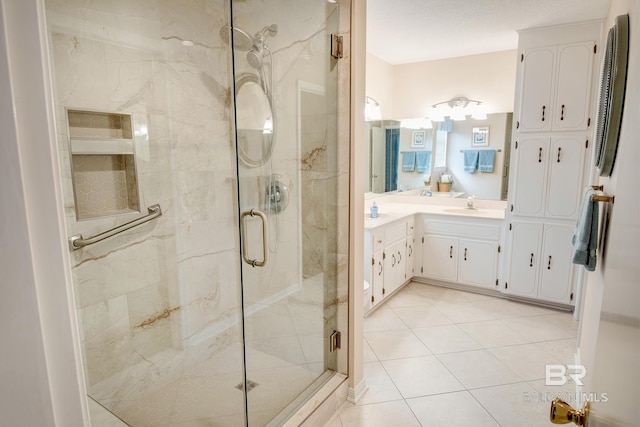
442, 357
284, 355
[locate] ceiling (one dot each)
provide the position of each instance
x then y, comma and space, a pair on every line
406, 31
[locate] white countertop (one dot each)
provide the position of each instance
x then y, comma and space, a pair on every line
392, 208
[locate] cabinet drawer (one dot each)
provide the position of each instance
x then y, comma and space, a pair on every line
395, 233
463, 229
377, 240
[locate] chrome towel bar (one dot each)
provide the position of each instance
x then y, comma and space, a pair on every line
77, 241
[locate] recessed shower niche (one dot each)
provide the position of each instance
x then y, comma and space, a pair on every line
103, 163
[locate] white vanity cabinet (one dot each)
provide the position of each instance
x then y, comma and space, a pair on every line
540, 262
548, 176
464, 250
386, 259
555, 87
411, 247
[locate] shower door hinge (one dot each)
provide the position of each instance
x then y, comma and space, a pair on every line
334, 341
336, 46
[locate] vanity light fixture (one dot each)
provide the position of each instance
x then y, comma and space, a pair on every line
458, 109
372, 109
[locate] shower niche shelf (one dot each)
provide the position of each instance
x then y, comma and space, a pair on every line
103, 163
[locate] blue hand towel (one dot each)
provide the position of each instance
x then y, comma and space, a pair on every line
486, 160
408, 161
470, 160
585, 238
423, 161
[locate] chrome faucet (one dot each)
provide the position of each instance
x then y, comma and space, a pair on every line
470, 202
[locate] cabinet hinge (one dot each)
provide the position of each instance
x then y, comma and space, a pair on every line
521, 57
586, 144
496, 282
517, 127
589, 122
571, 297
595, 48
516, 145
373, 299
384, 255
334, 341
509, 226
422, 239
373, 261
421, 269
506, 285
512, 207
498, 248
383, 291
336, 46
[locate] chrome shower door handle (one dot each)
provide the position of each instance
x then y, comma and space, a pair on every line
265, 251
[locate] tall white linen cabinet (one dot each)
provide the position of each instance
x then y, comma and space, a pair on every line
554, 125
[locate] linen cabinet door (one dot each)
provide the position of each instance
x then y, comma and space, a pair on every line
440, 257
565, 177
573, 87
556, 267
523, 264
536, 89
530, 176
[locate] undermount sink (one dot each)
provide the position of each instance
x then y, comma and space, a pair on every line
464, 211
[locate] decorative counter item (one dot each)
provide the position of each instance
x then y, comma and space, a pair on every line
444, 183
373, 210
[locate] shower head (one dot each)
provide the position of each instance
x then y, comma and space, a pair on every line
255, 56
241, 40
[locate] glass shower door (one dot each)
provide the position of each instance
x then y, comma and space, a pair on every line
286, 132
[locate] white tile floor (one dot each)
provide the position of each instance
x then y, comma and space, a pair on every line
442, 357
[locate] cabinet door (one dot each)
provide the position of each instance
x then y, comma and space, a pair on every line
573, 86
396, 263
377, 278
566, 159
477, 263
524, 244
536, 89
440, 257
410, 265
530, 176
555, 265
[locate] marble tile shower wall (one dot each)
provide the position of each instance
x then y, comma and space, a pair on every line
145, 295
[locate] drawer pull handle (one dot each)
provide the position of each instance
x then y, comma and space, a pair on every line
399, 257
543, 111
394, 260
531, 261
410, 250
380, 272
549, 264
540, 155
559, 149
450, 251
465, 254
562, 112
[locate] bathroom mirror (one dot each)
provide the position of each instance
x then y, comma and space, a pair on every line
254, 120
447, 147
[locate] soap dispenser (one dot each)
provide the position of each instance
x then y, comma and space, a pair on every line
374, 210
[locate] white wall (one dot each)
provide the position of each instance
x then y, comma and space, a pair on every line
379, 84
610, 349
408, 90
